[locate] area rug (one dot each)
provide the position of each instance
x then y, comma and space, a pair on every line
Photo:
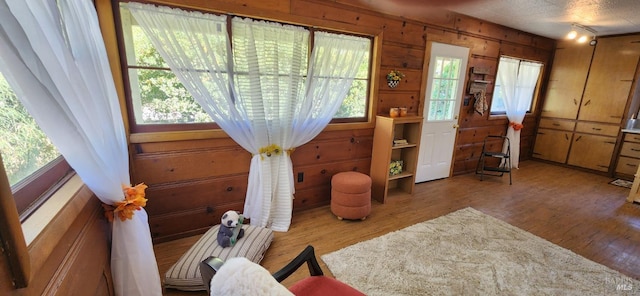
622, 183
470, 253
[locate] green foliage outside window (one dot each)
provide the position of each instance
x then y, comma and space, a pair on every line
25, 148
162, 97
159, 97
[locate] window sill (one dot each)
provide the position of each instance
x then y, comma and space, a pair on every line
504, 116
138, 138
34, 226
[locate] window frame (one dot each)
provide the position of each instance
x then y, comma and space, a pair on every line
135, 127
34, 190
534, 96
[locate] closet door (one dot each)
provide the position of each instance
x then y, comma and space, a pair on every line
610, 79
566, 82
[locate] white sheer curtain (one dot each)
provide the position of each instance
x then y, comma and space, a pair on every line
55, 60
518, 81
258, 92
269, 61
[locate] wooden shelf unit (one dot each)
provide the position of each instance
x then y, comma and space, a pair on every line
384, 151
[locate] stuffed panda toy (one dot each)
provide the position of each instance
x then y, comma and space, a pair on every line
231, 222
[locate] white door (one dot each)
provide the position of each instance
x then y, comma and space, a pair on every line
445, 87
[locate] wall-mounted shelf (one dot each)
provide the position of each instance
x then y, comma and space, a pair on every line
477, 81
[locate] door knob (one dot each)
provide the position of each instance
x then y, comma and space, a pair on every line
455, 125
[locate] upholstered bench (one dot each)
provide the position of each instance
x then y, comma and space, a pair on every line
351, 195
185, 274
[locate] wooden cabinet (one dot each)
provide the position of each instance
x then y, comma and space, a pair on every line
592, 151
612, 72
387, 133
568, 76
593, 145
554, 139
585, 102
629, 159
552, 145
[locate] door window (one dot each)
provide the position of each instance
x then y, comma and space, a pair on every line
442, 100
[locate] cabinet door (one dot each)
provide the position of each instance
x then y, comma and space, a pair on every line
610, 79
552, 145
552, 123
630, 149
627, 165
592, 152
566, 82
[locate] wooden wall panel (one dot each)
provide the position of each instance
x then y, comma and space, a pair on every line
402, 57
88, 255
325, 151
409, 99
189, 145
315, 187
321, 174
160, 168
326, 10
311, 198
485, 48
171, 226
525, 52
207, 193
411, 82
282, 6
190, 202
71, 254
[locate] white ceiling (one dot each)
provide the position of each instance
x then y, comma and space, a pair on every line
553, 18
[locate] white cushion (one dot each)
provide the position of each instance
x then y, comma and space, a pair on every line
185, 274
239, 276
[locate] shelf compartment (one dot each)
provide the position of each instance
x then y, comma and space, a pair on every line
404, 146
400, 176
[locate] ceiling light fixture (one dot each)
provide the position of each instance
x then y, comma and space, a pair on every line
573, 33
583, 32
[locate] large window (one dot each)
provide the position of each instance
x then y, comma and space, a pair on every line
32, 164
524, 84
157, 100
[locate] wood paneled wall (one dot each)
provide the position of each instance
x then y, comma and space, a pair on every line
192, 182
71, 256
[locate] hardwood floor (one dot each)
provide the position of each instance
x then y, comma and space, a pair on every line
576, 210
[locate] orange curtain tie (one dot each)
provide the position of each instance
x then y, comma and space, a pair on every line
133, 201
516, 126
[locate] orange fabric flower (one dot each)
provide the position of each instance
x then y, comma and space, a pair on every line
133, 201
516, 126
